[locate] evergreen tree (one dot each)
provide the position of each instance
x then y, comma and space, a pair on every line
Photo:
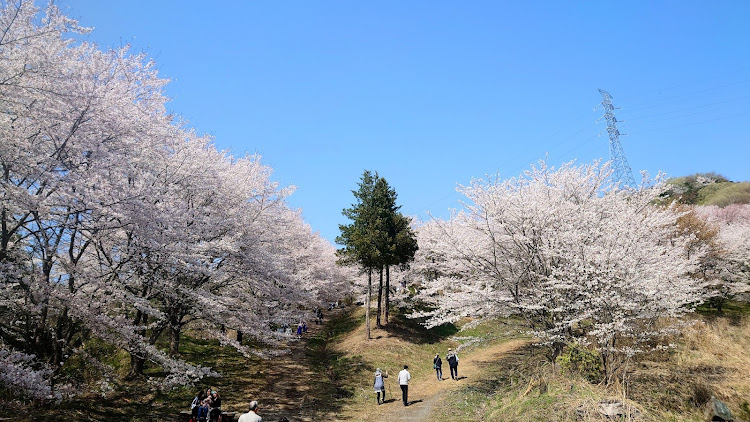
360, 238
404, 247
378, 237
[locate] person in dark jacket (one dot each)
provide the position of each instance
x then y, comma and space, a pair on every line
215, 412
437, 363
452, 359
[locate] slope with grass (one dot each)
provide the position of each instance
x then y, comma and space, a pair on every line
503, 376
707, 189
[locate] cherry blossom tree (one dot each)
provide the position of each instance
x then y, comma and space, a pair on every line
121, 224
730, 266
577, 258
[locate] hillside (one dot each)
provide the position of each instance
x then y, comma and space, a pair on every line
707, 189
505, 377
502, 376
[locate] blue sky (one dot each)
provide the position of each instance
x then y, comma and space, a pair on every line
434, 93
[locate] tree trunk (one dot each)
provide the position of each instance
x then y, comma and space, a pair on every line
380, 298
62, 321
367, 302
137, 362
387, 291
136, 366
174, 339
608, 361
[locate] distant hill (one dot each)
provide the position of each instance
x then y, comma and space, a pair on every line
707, 189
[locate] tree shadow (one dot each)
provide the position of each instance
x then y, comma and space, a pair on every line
412, 330
517, 366
334, 376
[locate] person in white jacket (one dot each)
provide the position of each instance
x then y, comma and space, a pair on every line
252, 414
403, 380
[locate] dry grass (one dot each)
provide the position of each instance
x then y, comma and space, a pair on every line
404, 341
329, 377
712, 359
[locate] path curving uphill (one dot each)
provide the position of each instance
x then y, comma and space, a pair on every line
426, 392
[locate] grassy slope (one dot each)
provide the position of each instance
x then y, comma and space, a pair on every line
722, 192
329, 377
711, 358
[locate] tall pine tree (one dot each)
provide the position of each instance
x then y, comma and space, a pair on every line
360, 238
378, 237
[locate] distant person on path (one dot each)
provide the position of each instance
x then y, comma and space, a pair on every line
319, 315
403, 380
437, 363
252, 414
379, 385
299, 328
452, 359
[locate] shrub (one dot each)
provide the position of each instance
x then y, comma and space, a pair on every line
701, 394
580, 360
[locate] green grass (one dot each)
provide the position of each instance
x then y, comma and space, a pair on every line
406, 341
333, 369
140, 400
519, 387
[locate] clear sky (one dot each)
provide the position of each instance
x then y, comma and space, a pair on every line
434, 93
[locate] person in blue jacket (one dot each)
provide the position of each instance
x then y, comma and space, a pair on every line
379, 385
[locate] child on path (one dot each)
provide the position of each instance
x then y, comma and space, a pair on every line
379, 385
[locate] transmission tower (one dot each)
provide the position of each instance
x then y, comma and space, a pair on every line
621, 171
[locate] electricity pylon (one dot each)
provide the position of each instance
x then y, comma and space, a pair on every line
621, 171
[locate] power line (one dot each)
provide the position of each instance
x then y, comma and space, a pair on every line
688, 109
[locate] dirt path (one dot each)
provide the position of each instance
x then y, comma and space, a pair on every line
426, 392
286, 380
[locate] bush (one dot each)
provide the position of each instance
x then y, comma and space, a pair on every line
723, 194
701, 394
580, 360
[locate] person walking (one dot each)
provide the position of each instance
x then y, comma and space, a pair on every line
252, 414
452, 359
437, 363
379, 385
403, 380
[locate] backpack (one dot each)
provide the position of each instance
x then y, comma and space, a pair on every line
452, 360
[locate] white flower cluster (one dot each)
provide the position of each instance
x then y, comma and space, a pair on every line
122, 225
575, 256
